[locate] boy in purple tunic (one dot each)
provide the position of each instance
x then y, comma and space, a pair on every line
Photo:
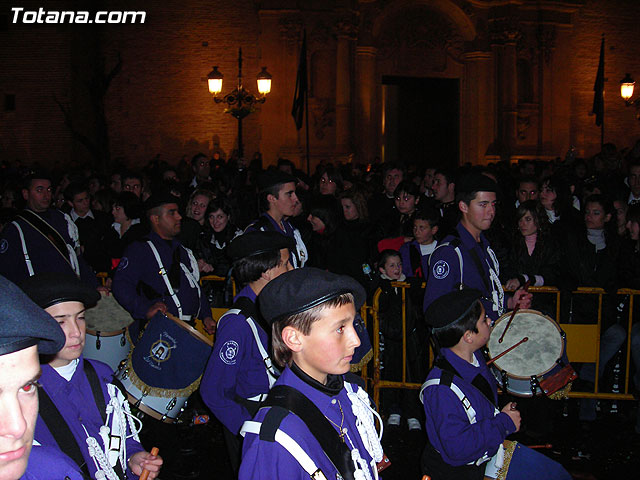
81, 412
239, 372
314, 423
466, 430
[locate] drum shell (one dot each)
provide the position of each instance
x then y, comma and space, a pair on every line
114, 347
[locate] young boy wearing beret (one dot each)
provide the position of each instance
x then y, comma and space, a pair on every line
313, 423
239, 372
81, 412
466, 430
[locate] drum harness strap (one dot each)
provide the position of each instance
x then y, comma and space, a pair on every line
52, 235
245, 307
193, 276
446, 379
65, 440
283, 399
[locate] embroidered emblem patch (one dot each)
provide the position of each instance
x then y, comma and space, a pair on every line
124, 262
441, 269
4, 245
228, 352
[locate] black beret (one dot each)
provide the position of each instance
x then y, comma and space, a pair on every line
23, 323
451, 307
254, 243
304, 288
47, 289
159, 199
476, 182
271, 178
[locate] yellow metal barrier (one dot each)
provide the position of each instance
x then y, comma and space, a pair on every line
582, 340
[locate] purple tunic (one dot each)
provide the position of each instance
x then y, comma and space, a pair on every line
458, 441
49, 463
139, 265
75, 402
235, 368
269, 460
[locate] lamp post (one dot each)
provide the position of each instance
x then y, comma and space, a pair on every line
239, 102
627, 86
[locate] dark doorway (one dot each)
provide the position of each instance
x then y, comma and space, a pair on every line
421, 120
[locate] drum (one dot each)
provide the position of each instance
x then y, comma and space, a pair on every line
521, 371
165, 367
107, 339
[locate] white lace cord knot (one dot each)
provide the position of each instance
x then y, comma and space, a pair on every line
498, 291
364, 414
104, 470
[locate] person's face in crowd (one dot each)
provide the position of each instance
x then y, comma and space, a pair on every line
440, 187
621, 213
527, 224
427, 180
594, 216
349, 209
118, 214
285, 203
391, 180
8, 199
547, 196
528, 169
199, 206
317, 225
18, 410
480, 212
70, 317
634, 230
218, 220
116, 183
133, 185
423, 232
282, 267
406, 203
634, 180
170, 175
167, 224
392, 268
202, 168
94, 186
81, 203
580, 170
327, 186
330, 344
38, 195
527, 191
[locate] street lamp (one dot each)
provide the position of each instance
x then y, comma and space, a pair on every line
239, 102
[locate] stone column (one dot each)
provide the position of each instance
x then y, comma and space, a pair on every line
343, 87
477, 109
509, 85
365, 85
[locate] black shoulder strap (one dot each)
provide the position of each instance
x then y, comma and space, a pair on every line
60, 430
250, 309
415, 257
289, 399
479, 382
480, 267
47, 231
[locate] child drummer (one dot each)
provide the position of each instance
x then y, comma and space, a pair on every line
81, 412
466, 431
313, 423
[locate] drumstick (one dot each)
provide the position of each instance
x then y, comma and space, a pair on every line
525, 339
513, 314
546, 445
145, 472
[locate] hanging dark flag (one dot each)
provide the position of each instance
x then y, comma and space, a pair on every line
598, 89
301, 85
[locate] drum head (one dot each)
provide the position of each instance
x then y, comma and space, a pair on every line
538, 355
107, 316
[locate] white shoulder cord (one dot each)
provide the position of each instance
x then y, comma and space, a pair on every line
27, 260
165, 277
497, 290
301, 248
73, 259
193, 275
119, 417
360, 406
72, 228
